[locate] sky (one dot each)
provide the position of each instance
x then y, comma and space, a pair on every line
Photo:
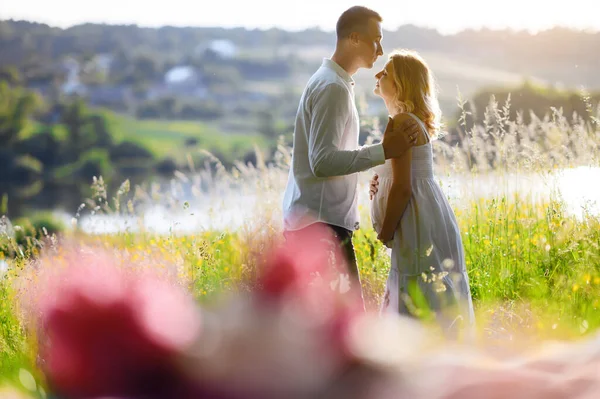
447, 16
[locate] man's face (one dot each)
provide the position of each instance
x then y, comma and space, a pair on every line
369, 44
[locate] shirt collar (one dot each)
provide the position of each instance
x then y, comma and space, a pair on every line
328, 63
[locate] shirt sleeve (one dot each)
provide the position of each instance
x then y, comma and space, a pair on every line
331, 110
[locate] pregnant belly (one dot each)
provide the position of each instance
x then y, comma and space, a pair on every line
378, 206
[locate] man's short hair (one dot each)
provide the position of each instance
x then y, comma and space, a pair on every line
355, 19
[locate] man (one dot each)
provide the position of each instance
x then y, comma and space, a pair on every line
323, 179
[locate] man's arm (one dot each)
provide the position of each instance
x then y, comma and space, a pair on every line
330, 113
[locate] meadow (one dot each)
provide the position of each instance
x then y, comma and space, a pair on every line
165, 138
534, 267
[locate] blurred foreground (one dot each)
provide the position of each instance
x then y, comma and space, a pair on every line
108, 326
112, 315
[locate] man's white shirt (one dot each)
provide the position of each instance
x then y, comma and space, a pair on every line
323, 180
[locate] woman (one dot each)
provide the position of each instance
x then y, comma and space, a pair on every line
410, 212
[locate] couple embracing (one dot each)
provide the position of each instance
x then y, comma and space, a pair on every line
409, 211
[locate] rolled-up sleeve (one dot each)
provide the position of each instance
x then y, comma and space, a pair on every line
330, 112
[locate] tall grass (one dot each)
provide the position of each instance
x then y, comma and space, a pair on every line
534, 268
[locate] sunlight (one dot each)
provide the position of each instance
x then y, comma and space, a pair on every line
446, 17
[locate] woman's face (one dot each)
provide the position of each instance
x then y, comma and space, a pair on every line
385, 86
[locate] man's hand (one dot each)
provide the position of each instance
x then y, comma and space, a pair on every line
373, 186
397, 140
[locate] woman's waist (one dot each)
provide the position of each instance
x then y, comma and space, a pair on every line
421, 173
419, 167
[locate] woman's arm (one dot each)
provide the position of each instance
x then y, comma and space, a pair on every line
399, 194
398, 198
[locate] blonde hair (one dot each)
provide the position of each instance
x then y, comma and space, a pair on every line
416, 88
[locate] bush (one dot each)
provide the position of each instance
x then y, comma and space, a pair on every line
128, 150
171, 108
166, 167
35, 224
208, 110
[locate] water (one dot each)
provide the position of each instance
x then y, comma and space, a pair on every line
225, 213
579, 189
3, 267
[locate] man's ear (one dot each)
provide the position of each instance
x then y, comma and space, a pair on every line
354, 38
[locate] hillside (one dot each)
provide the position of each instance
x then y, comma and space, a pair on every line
124, 67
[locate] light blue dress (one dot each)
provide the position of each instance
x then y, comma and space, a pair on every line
427, 250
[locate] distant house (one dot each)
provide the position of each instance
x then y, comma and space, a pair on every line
100, 63
72, 84
182, 81
224, 48
104, 61
182, 75
73, 69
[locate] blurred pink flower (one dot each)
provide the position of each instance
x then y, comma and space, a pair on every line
292, 266
108, 332
308, 272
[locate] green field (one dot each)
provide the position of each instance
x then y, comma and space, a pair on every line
534, 272
165, 138
534, 268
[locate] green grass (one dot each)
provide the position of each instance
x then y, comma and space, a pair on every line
536, 257
17, 351
516, 251
167, 138
533, 270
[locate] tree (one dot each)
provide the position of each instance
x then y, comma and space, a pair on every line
103, 137
266, 123
21, 173
16, 105
11, 75
75, 120
146, 68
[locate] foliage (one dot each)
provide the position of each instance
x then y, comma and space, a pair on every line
50, 154
532, 101
534, 268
